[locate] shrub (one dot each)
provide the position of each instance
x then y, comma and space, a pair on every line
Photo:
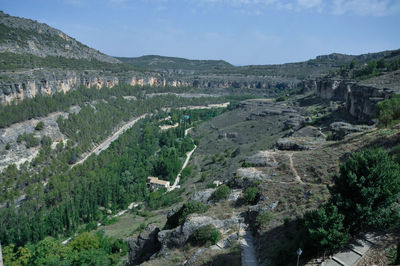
187, 208
8, 146
263, 219
85, 241
39, 126
366, 190
388, 111
222, 192
206, 235
325, 228
203, 177
251, 194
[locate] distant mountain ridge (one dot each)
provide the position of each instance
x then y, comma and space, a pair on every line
26, 36
174, 64
320, 65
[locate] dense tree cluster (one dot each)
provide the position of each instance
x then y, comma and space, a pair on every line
109, 181
85, 249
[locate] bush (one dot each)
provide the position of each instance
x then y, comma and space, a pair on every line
222, 192
263, 219
366, 190
251, 194
39, 126
206, 235
187, 208
388, 111
325, 228
8, 146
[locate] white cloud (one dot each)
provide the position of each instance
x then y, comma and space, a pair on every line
309, 3
366, 7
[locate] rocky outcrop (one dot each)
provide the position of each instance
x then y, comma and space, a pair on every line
360, 100
176, 238
341, 129
145, 246
308, 85
202, 196
297, 144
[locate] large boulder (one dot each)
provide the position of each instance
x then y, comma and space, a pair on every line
177, 237
261, 159
341, 129
203, 196
145, 246
294, 144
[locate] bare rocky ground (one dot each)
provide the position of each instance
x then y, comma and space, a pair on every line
18, 153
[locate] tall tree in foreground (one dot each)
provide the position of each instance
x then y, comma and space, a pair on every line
366, 190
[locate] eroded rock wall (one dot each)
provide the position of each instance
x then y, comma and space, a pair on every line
360, 100
19, 86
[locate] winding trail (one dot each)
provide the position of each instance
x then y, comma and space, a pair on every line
188, 155
296, 175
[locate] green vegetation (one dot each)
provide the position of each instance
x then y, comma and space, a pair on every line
251, 194
11, 62
155, 62
39, 126
85, 193
30, 140
85, 249
222, 192
263, 218
8, 146
43, 105
325, 228
206, 235
363, 197
389, 111
179, 217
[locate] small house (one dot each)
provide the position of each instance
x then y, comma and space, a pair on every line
154, 183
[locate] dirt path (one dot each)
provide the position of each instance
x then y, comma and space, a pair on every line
178, 178
296, 175
106, 143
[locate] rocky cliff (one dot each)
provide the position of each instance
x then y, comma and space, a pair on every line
26, 84
360, 97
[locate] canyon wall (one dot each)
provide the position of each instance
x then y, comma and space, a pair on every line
360, 100
19, 86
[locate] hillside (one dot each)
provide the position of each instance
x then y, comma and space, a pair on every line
252, 162
175, 64
25, 36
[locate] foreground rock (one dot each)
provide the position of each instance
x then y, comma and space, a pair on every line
145, 245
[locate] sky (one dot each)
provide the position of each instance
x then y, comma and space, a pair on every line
242, 32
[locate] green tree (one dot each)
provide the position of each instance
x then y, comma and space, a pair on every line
85, 241
221, 192
325, 228
206, 235
250, 194
366, 189
40, 125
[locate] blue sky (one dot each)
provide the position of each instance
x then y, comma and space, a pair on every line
238, 31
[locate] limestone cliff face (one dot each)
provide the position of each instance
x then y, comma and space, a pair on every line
360, 99
19, 86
